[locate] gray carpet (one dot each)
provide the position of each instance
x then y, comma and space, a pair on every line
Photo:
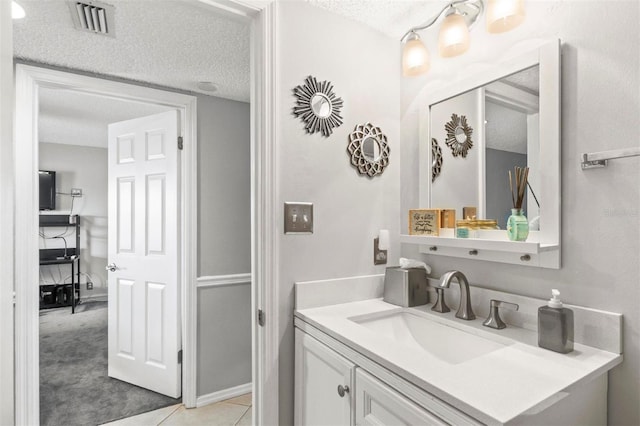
74, 386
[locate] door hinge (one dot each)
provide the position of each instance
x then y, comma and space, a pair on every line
261, 318
180, 143
180, 356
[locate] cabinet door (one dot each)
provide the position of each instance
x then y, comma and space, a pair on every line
377, 404
319, 371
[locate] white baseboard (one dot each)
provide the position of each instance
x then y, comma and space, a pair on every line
88, 295
223, 395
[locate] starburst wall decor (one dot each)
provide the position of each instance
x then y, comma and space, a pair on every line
458, 135
317, 106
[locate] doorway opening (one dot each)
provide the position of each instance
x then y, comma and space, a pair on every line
81, 320
265, 348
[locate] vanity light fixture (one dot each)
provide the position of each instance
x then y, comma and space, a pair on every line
504, 15
457, 17
17, 11
453, 39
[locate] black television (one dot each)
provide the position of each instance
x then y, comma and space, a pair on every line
47, 190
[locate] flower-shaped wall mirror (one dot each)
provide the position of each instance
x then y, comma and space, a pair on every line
368, 149
317, 106
436, 156
458, 135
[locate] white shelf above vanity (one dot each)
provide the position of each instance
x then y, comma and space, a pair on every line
484, 243
491, 246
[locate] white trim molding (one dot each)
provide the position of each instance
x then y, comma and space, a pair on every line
28, 80
264, 212
6, 217
223, 280
223, 395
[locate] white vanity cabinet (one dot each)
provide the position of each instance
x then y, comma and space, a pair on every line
378, 404
319, 371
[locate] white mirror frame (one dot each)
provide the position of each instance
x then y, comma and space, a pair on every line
542, 248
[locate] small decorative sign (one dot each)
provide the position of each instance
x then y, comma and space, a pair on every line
424, 222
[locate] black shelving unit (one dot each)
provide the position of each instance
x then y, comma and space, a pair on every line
65, 294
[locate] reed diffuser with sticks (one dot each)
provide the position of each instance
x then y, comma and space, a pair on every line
518, 225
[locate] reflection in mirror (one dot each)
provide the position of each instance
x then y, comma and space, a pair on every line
506, 116
320, 105
371, 149
461, 136
512, 140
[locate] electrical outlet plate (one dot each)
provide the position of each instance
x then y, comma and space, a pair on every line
298, 218
76, 192
379, 256
89, 285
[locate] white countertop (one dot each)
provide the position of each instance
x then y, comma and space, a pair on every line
494, 388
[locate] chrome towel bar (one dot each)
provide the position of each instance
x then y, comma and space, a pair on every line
599, 159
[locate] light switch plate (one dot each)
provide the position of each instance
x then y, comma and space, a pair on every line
298, 218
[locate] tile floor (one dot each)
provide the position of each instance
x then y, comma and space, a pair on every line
232, 412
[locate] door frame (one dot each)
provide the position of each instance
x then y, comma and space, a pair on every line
28, 81
264, 245
7, 330
265, 213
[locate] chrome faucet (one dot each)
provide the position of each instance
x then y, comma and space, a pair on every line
464, 310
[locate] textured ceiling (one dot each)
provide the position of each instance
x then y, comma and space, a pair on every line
506, 128
391, 17
169, 43
527, 80
74, 118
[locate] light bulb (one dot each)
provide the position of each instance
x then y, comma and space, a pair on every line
17, 12
415, 57
504, 15
454, 36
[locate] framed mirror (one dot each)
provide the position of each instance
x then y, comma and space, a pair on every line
368, 149
317, 106
511, 118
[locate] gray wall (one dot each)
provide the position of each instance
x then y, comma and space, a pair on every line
349, 208
224, 337
224, 187
498, 196
85, 168
600, 208
224, 243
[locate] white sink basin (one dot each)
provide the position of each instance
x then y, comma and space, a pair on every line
446, 343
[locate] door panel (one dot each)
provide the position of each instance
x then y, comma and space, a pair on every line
144, 316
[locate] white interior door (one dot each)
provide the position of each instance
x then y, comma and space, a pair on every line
144, 296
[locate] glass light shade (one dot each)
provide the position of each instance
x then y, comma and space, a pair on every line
504, 15
415, 57
17, 12
454, 36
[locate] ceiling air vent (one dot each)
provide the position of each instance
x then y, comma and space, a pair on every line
93, 16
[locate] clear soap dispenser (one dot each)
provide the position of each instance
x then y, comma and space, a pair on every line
555, 325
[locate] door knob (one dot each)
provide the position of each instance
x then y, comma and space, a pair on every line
111, 267
342, 390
